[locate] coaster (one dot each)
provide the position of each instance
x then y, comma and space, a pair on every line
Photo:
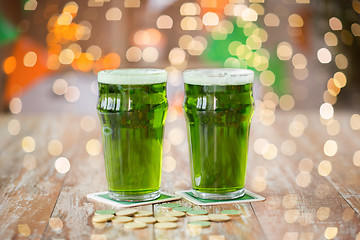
104, 198
248, 197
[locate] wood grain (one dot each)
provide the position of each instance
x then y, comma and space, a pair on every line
306, 217
29, 196
45, 204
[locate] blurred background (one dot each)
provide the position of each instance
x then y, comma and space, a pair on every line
305, 53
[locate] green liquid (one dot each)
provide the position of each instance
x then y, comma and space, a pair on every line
132, 120
218, 120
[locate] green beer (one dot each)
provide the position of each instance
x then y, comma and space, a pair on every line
219, 105
132, 107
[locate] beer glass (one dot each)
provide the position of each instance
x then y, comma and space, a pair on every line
132, 107
218, 105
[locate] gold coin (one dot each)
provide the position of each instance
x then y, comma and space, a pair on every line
231, 212
105, 212
122, 219
135, 225
143, 214
102, 218
147, 220
199, 224
197, 212
99, 225
198, 218
219, 217
166, 219
166, 225
174, 214
127, 212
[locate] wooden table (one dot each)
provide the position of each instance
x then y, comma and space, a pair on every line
305, 199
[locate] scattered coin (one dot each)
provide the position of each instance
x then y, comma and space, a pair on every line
143, 214
182, 209
198, 218
105, 212
231, 212
99, 225
197, 212
170, 205
166, 225
102, 218
199, 224
122, 219
166, 219
218, 217
174, 214
147, 220
135, 225
127, 212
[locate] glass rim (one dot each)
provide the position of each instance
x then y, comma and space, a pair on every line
133, 76
218, 76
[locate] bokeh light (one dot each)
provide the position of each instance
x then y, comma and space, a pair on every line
330, 148
28, 144
14, 127
169, 164
355, 121
356, 159
93, 147
56, 224
210, 19
324, 55
324, 168
15, 105
326, 111
335, 24
133, 54
62, 165
60, 86
323, 213
271, 20
113, 14
330, 232
55, 147
30, 59
164, 22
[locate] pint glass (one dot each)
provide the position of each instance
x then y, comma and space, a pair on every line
219, 106
132, 107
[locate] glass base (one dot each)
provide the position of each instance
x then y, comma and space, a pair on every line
134, 197
219, 196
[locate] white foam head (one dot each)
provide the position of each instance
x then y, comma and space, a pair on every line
218, 76
133, 76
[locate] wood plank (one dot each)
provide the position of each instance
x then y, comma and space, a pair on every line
344, 175
29, 195
74, 212
292, 211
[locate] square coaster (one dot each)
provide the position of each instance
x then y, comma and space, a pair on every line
104, 198
248, 197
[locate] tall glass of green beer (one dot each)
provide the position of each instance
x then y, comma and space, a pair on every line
219, 106
132, 107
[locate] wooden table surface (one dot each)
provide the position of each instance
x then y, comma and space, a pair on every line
311, 185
